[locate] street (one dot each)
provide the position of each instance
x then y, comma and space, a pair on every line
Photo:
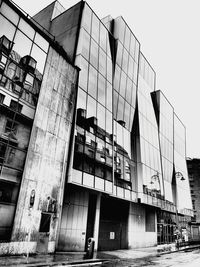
183, 259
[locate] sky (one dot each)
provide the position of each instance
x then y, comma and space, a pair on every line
168, 31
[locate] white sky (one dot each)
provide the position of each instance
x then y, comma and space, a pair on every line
169, 33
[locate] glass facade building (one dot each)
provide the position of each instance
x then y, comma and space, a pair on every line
119, 143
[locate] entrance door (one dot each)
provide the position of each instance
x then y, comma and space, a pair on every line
113, 224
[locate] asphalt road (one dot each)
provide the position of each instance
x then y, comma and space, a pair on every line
182, 259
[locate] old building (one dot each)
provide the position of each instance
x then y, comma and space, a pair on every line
193, 166
37, 92
114, 169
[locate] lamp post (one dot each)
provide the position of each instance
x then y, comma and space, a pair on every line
178, 175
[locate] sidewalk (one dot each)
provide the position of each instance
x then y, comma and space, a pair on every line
59, 259
77, 259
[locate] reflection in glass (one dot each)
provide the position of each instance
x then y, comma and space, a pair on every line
101, 116
22, 45
39, 56
9, 13
26, 28
91, 107
41, 42
6, 28
92, 82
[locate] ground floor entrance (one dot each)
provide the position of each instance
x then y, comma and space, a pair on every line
166, 226
113, 224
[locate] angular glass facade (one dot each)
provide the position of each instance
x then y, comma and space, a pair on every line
149, 158
183, 188
124, 134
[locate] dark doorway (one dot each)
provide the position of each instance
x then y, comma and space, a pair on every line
113, 224
91, 217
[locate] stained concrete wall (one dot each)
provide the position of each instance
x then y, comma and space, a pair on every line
138, 237
74, 219
44, 169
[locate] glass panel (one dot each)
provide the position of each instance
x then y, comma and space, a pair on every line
125, 61
41, 42
92, 84
101, 89
108, 122
103, 36
95, 28
128, 90
81, 99
117, 78
109, 96
39, 56
102, 62
120, 139
101, 116
83, 74
26, 28
109, 69
22, 44
120, 110
127, 114
127, 38
6, 28
86, 19
91, 107
130, 67
84, 44
115, 102
94, 54
119, 53
133, 101
137, 49
123, 84
9, 13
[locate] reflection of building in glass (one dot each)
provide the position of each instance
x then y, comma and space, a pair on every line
109, 167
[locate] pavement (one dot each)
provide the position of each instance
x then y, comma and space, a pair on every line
77, 259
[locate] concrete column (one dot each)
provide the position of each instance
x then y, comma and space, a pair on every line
97, 219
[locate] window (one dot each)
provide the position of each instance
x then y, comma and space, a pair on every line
118, 161
28, 82
45, 223
1, 98
15, 106
2, 151
150, 221
8, 192
11, 127
3, 61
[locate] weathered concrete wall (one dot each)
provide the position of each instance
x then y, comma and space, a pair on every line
45, 165
138, 237
74, 220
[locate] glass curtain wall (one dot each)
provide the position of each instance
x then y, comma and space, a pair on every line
183, 189
166, 135
22, 58
93, 139
124, 97
149, 160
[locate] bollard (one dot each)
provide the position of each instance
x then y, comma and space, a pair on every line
90, 248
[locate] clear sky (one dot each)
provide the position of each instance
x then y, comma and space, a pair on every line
169, 33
